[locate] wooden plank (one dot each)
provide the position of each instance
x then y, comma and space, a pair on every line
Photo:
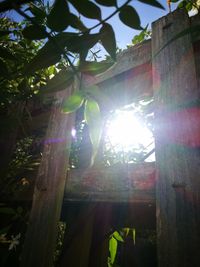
120, 183
178, 161
128, 59
49, 189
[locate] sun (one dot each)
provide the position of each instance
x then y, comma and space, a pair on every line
127, 131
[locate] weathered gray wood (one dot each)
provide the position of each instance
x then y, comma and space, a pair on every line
178, 166
128, 59
133, 183
49, 189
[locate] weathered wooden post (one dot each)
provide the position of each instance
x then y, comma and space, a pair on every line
177, 141
49, 189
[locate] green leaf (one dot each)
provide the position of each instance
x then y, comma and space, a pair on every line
76, 23
73, 103
113, 248
3, 33
50, 53
129, 16
87, 9
182, 4
94, 67
57, 20
108, 39
126, 231
107, 2
118, 236
7, 211
3, 69
59, 82
92, 117
34, 32
152, 3
134, 235
6, 54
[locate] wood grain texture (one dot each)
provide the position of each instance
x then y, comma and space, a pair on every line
134, 183
49, 189
178, 166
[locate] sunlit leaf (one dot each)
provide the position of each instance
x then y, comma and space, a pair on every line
94, 67
129, 16
134, 235
118, 236
58, 19
34, 32
59, 82
87, 9
113, 248
6, 54
126, 231
73, 103
108, 39
152, 3
107, 2
92, 117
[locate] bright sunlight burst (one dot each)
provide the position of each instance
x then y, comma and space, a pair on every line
127, 130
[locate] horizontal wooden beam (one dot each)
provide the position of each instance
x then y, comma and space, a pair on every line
119, 183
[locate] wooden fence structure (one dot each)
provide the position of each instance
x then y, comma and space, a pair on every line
169, 71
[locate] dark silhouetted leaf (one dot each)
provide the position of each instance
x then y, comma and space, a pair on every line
6, 54
59, 82
112, 248
58, 19
50, 53
92, 117
76, 23
83, 43
3, 33
129, 16
3, 69
107, 2
152, 3
34, 32
87, 9
73, 103
93, 67
108, 39
39, 14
